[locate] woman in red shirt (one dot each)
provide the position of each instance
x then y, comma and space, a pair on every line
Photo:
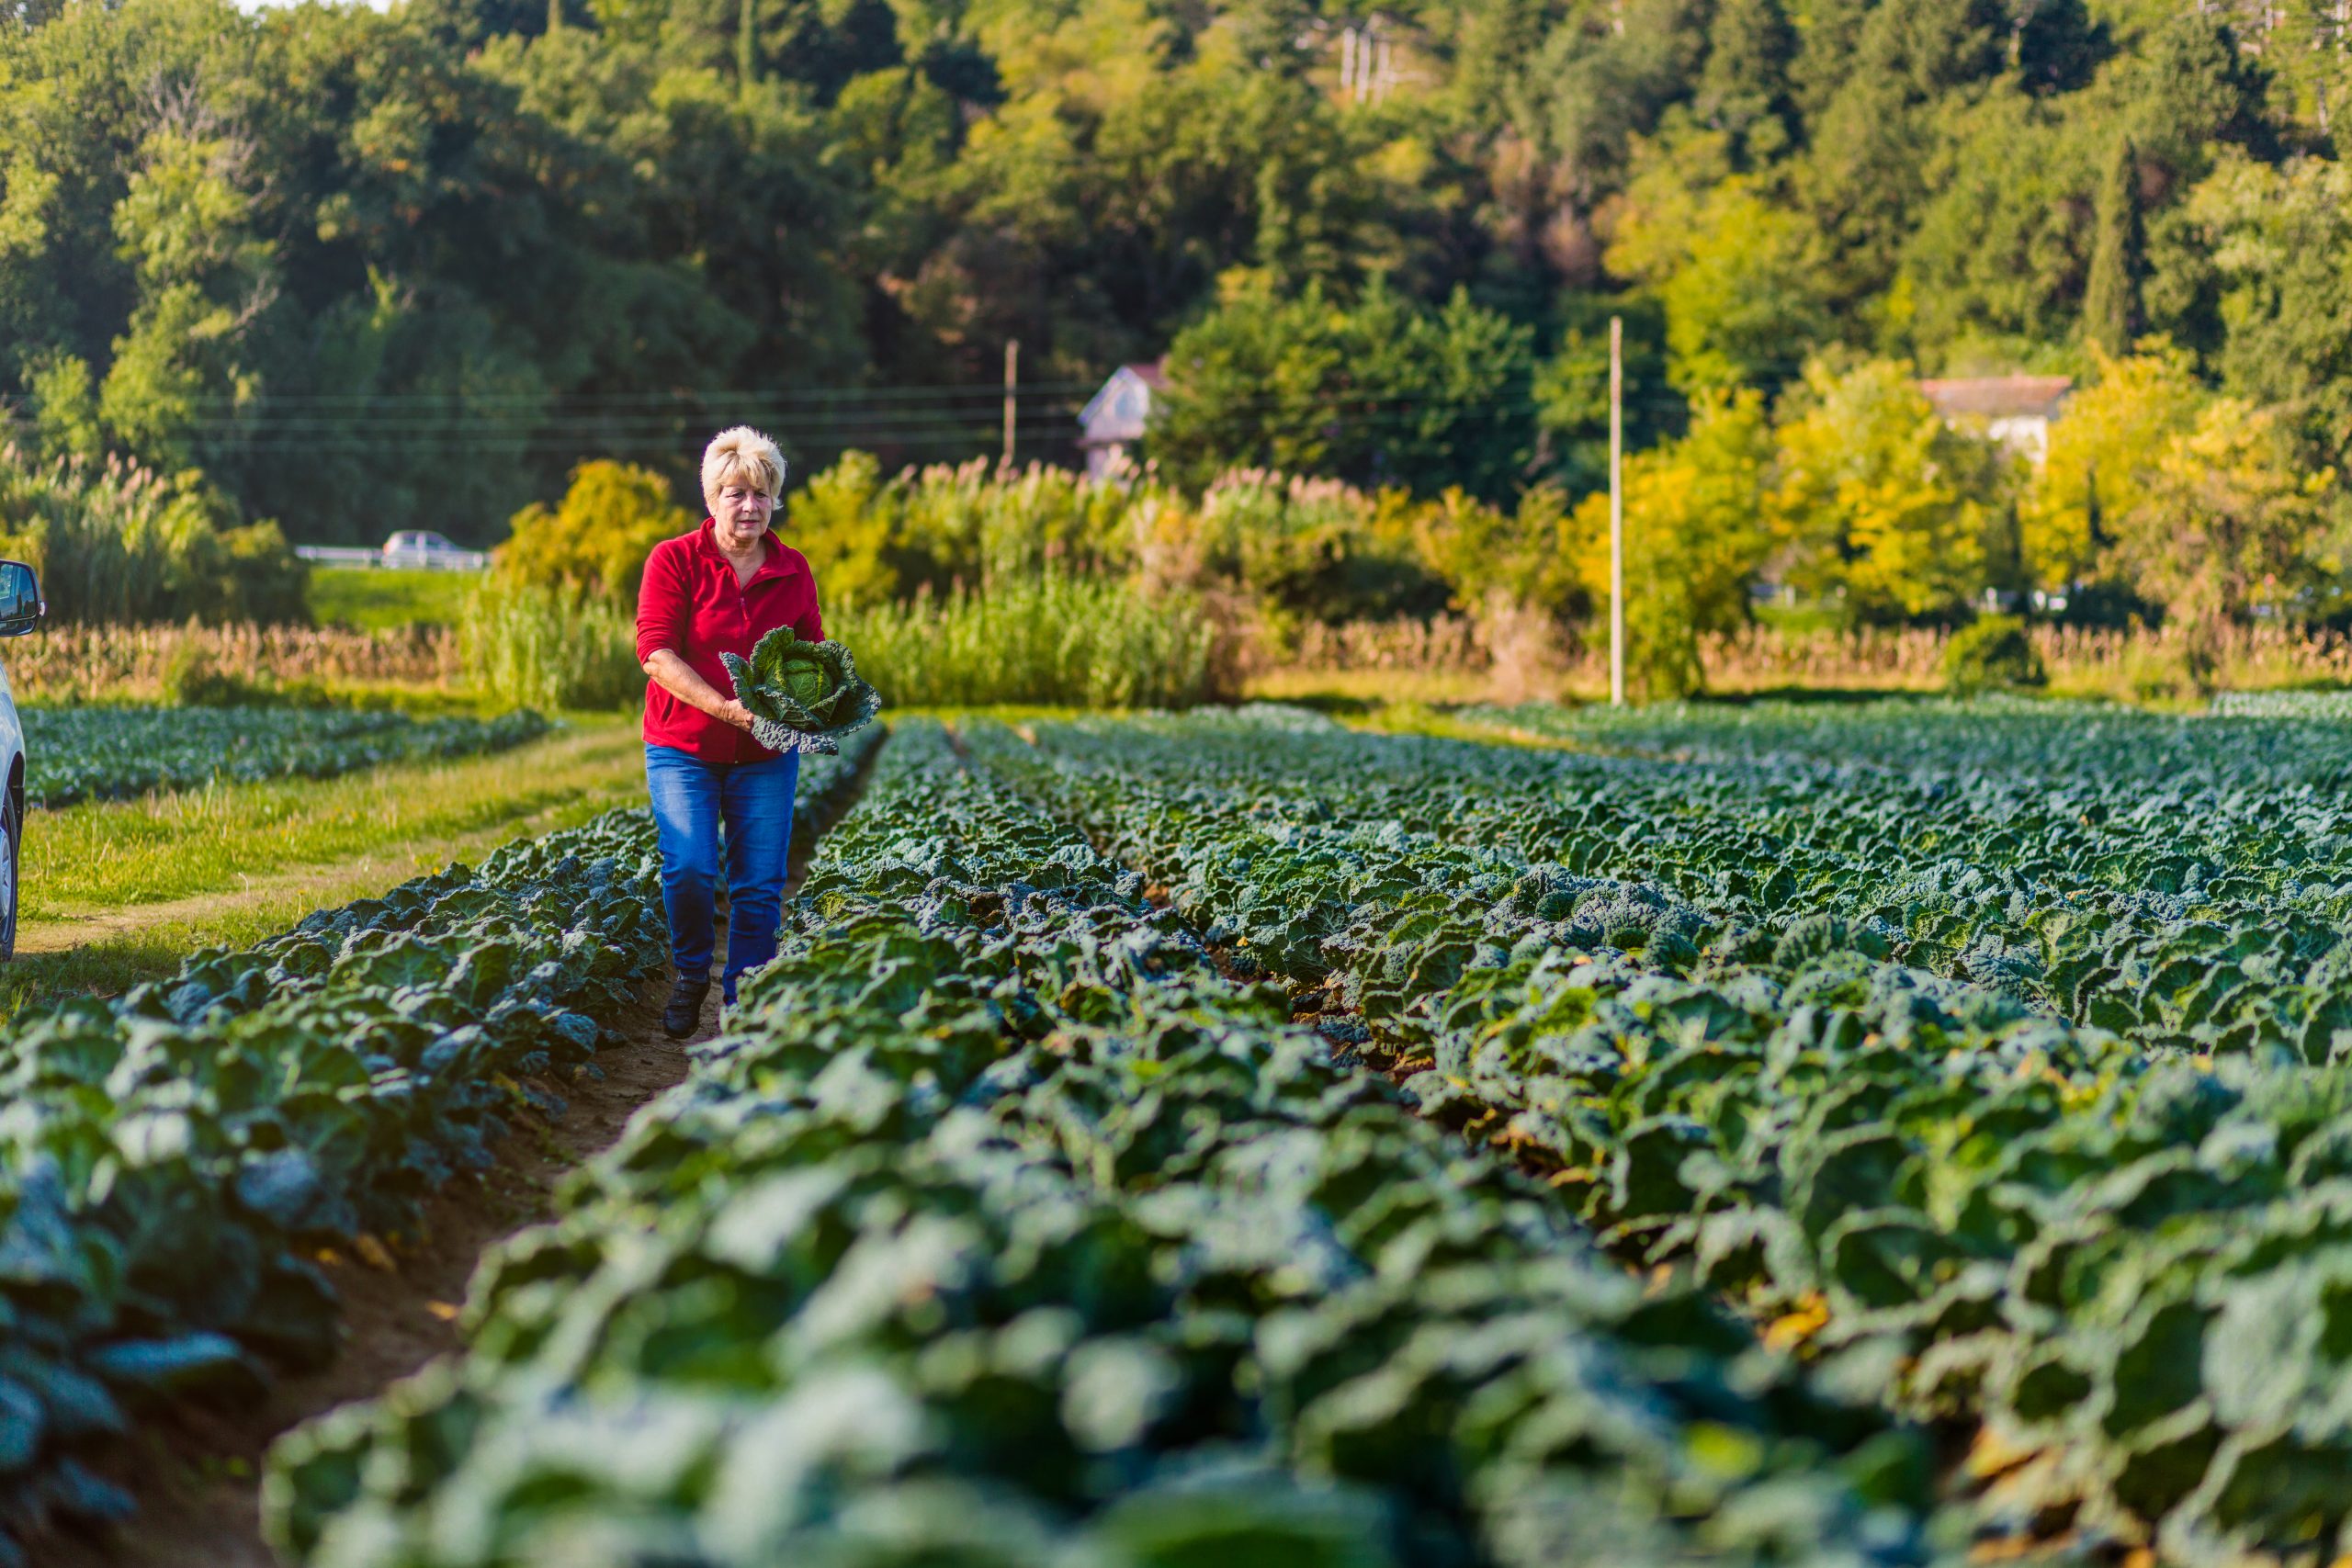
721, 798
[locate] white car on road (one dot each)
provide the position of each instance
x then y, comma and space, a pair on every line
423, 547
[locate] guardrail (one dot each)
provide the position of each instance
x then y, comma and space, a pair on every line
403, 560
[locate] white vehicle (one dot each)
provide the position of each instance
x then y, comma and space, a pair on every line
21, 609
419, 547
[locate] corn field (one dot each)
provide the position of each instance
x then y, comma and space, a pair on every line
2135, 662
80, 663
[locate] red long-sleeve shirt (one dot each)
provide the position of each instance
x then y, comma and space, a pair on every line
690, 603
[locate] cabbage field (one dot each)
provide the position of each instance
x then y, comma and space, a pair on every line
1899, 1134
107, 753
170, 1160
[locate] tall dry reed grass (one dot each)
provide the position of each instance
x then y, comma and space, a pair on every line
82, 664
2133, 664
1441, 642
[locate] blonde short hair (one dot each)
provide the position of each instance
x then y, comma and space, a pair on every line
741, 455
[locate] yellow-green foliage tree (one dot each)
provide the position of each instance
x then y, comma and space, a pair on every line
2228, 520
945, 526
835, 521
597, 537
1310, 548
2105, 452
1878, 500
1525, 558
1695, 538
1730, 268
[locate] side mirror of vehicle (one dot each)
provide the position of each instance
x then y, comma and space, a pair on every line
21, 605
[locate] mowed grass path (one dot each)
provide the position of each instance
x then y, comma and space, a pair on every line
118, 892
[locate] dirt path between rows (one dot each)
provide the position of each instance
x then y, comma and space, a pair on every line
196, 1472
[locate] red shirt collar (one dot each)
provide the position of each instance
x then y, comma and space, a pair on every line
772, 564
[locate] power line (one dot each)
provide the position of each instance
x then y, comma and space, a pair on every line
266, 431
469, 404
984, 409
687, 396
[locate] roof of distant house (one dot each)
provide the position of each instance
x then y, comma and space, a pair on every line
1118, 413
1997, 396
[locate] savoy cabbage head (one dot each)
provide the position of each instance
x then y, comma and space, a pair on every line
803, 696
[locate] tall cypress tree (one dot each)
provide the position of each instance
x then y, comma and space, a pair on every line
2111, 315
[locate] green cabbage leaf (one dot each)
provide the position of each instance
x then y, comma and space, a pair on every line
803, 696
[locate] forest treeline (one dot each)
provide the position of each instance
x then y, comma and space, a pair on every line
368, 271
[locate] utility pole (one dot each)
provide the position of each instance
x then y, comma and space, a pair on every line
1011, 382
1616, 513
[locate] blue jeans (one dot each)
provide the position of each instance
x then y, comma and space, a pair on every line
692, 799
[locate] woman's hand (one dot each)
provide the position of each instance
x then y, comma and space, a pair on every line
673, 675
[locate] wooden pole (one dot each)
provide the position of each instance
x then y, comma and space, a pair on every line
1012, 381
1616, 513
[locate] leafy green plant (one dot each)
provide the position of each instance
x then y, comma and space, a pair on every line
2003, 1054
808, 688
177, 1157
1990, 653
108, 753
193, 679
1003, 1227
118, 543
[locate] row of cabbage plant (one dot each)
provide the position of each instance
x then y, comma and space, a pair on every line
2119, 1259
172, 1161
1001, 1227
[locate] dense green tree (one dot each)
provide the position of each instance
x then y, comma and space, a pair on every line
366, 271
1993, 261
1379, 392
597, 538
1744, 89
2055, 45
2280, 237
2230, 520
1874, 147
1609, 73
1882, 505
1825, 59
1571, 387
1695, 538
2102, 462
2111, 315
1733, 269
